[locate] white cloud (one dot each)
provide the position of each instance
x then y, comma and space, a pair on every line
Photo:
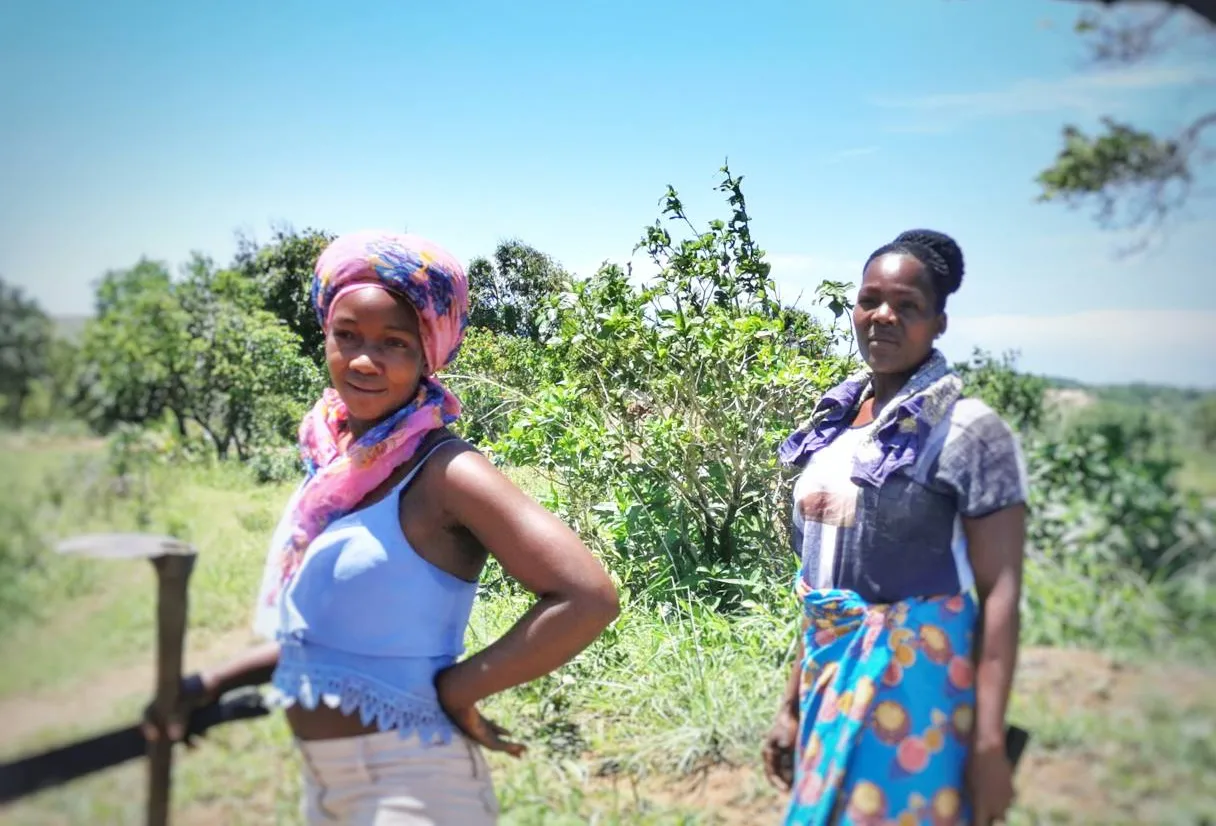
1089, 93
1162, 346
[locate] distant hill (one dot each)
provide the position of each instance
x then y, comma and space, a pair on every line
1063, 383
1133, 393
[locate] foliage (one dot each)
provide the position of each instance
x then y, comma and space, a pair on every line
26, 341
250, 382
201, 349
281, 271
1107, 491
494, 373
54, 396
1016, 396
1104, 495
661, 423
273, 464
1204, 422
1120, 165
21, 561
1135, 178
508, 292
135, 349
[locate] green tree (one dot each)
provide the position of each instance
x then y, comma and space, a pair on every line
201, 349
508, 292
26, 336
136, 350
249, 381
493, 376
281, 271
55, 396
1135, 178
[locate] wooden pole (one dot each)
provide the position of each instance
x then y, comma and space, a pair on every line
172, 579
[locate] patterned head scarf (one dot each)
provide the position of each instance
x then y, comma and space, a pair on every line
340, 476
427, 275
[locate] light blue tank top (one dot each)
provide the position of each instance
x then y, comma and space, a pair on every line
366, 623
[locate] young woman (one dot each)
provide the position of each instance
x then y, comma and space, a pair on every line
909, 517
372, 571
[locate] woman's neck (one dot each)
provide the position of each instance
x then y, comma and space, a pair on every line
887, 385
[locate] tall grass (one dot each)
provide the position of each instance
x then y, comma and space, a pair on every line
672, 694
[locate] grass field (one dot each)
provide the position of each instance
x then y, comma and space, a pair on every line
1198, 473
659, 723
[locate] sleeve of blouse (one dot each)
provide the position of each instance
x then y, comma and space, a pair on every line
982, 461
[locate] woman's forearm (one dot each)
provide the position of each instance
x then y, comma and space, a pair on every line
548, 636
996, 663
791, 699
252, 667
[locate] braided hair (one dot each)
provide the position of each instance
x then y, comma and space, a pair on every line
937, 252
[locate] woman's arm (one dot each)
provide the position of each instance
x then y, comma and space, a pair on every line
790, 699
996, 543
782, 739
577, 600
251, 667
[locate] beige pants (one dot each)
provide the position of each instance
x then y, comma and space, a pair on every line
383, 780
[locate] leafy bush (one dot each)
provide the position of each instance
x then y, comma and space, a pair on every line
493, 375
661, 421
1016, 396
271, 465
1108, 491
1118, 555
21, 559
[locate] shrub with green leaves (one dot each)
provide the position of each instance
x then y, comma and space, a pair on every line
660, 422
494, 373
1118, 554
1018, 397
1106, 490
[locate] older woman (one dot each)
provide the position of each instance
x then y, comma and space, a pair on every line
909, 518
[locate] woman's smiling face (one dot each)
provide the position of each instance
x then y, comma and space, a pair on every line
373, 349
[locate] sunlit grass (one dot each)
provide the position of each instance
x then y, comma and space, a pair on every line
670, 696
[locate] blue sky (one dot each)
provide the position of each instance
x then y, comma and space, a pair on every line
136, 127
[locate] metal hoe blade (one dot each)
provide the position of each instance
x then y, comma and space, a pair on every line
125, 546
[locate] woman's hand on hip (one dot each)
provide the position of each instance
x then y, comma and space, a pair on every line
465, 716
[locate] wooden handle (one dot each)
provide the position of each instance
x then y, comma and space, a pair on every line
172, 580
